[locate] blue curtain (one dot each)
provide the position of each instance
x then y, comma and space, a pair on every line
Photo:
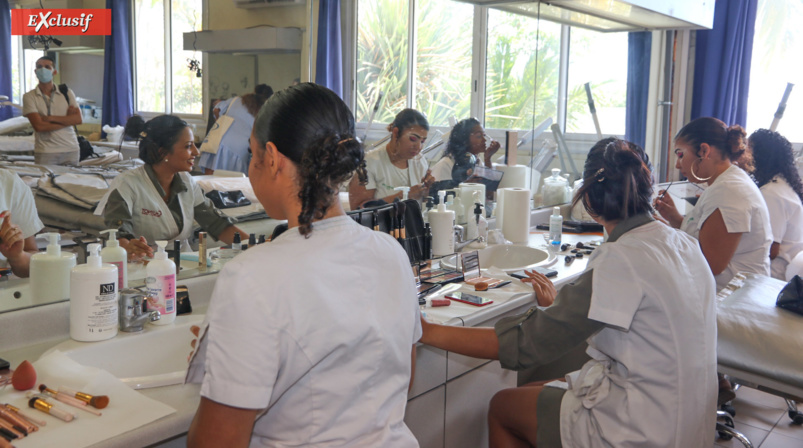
5, 57
722, 63
638, 83
329, 59
118, 90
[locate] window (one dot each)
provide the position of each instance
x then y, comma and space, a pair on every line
181, 91
601, 60
517, 46
777, 46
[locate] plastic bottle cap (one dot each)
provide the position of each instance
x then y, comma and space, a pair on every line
555, 211
442, 203
93, 250
237, 237
161, 254
112, 241
53, 246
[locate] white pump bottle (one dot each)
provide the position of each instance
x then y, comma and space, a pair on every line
50, 272
442, 223
116, 255
161, 283
93, 299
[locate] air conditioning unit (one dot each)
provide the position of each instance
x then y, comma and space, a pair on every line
252, 4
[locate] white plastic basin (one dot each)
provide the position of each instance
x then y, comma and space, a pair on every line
154, 357
507, 258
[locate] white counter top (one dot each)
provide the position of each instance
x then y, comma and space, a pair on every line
27, 334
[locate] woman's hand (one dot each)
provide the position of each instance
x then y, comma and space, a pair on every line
417, 192
665, 206
492, 149
544, 289
428, 179
137, 248
12, 242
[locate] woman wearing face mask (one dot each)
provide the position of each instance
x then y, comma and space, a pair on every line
730, 219
319, 361
466, 142
398, 164
52, 116
160, 200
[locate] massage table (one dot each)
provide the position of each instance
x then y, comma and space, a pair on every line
758, 344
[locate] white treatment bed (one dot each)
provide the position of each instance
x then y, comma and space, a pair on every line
760, 345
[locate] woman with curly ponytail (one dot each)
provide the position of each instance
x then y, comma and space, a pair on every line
651, 338
287, 318
777, 178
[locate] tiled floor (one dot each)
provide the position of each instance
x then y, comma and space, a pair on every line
763, 419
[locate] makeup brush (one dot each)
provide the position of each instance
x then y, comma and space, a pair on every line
39, 404
374, 220
666, 190
16, 421
31, 419
96, 401
68, 400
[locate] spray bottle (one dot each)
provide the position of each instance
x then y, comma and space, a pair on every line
116, 255
161, 283
93, 299
50, 272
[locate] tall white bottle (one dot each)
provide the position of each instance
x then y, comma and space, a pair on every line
442, 223
161, 283
555, 228
93, 299
50, 272
114, 254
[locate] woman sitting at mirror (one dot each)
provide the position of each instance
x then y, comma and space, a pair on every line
19, 222
232, 153
398, 164
466, 142
315, 361
160, 200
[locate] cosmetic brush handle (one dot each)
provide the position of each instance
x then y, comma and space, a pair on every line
66, 399
61, 414
29, 417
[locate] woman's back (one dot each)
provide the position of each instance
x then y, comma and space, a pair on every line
329, 322
786, 222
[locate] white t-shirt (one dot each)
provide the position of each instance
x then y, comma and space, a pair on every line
652, 378
318, 333
744, 211
384, 176
786, 221
60, 140
442, 170
17, 197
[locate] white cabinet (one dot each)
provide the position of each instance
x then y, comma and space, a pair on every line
424, 417
467, 399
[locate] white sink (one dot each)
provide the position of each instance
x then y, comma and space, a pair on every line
16, 294
154, 357
506, 257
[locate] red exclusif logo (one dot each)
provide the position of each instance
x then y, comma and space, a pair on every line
61, 22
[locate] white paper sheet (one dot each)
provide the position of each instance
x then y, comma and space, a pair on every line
127, 410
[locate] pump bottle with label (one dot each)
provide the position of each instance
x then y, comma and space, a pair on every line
93, 299
50, 272
161, 283
114, 254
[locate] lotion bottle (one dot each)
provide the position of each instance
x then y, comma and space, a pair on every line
442, 223
459, 210
93, 299
161, 283
50, 272
114, 254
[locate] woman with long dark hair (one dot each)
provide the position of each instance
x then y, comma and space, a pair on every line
299, 347
466, 142
651, 380
777, 178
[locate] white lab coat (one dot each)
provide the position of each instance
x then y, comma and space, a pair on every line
652, 377
744, 211
786, 221
151, 216
317, 332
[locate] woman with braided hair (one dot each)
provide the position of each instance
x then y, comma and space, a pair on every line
298, 349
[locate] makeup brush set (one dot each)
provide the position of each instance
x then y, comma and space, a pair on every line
402, 220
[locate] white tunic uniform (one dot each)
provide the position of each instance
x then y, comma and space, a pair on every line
17, 198
384, 176
317, 332
744, 211
151, 216
442, 170
786, 221
652, 378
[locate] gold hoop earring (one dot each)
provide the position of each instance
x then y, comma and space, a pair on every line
695, 175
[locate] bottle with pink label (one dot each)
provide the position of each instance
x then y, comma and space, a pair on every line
116, 255
161, 283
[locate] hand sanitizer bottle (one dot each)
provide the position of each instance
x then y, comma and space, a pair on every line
50, 272
116, 255
161, 283
93, 299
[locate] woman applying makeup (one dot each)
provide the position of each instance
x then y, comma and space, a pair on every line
298, 348
398, 164
466, 142
160, 200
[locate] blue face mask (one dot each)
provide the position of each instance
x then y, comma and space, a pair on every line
44, 75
